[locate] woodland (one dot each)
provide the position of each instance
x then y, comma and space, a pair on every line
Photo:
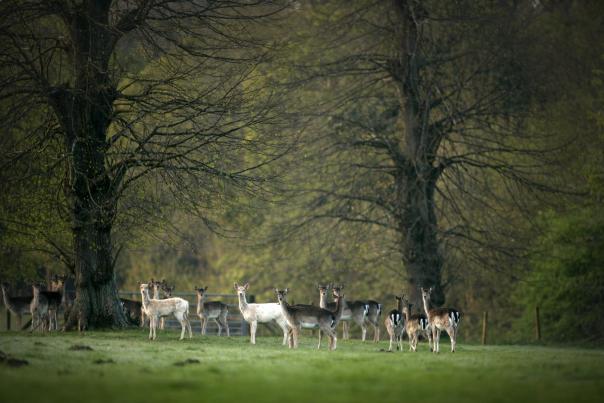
384, 145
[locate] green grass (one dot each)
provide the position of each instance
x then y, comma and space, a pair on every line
231, 370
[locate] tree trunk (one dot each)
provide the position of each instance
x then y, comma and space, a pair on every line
417, 226
97, 303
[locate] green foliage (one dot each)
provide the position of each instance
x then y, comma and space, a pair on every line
567, 280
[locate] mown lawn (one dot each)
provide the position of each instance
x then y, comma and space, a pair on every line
125, 367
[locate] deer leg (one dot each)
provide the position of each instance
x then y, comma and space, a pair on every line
451, 333
225, 323
295, 335
253, 326
333, 339
181, 319
376, 334
319, 346
363, 331
204, 323
218, 325
284, 328
187, 324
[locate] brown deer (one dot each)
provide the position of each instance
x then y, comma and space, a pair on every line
216, 310
39, 310
309, 317
441, 319
415, 324
18, 306
395, 325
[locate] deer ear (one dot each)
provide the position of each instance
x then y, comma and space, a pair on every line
430, 290
246, 286
286, 290
235, 286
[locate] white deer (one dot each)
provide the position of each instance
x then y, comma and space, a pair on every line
156, 308
259, 313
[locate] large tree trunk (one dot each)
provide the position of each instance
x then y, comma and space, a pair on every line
419, 232
93, 205
85, 110
97, 302
416, 174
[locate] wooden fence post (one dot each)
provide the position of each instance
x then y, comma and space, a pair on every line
485, 318
537, 324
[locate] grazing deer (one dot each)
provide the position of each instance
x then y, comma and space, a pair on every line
207, 310
39, 310
308, 316
395, 325
373, 317
155, 308
415, 325
259, 313
18, 306
439, 319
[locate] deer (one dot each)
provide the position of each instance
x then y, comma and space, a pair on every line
441, 319
211, 310
374, 312
54, 298
415, 324
155, 308
309, 316
259, 313
59, 283
39, 310
395, 325
352, 310
18, 306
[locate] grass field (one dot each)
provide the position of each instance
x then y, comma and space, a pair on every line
125, 367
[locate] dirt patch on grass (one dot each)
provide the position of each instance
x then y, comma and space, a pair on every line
101, 361
187, 362
12, 361
80, 347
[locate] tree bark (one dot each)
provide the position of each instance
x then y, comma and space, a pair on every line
85, 111
416, 175
417, 225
